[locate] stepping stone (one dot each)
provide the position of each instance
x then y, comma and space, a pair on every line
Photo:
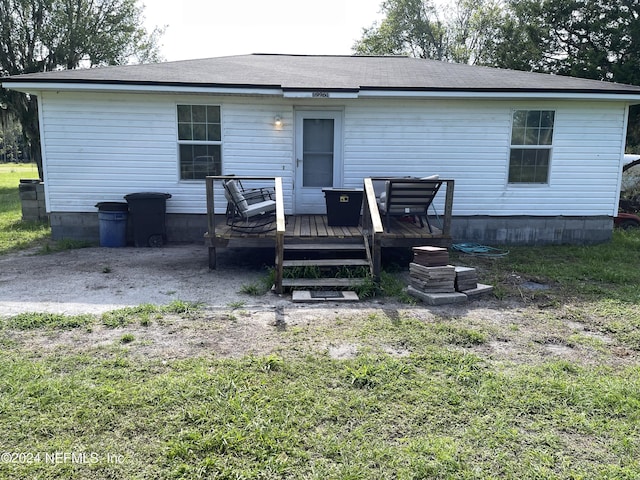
308, 296
437, 298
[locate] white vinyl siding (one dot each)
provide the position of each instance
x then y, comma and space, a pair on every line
102, 146
469, 141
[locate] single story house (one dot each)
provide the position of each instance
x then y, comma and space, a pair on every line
536, 158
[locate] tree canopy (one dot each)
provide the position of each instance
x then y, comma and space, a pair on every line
419, 28
597, 39
46, 35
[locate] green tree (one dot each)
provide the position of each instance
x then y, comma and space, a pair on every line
11, 141
597, 39
419, 28
410, 27
46, 35
472, 26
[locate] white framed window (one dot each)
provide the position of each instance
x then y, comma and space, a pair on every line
531, 143
199, 141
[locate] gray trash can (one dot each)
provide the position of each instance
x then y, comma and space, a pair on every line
148, 211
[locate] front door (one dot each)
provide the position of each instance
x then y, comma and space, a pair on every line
318, 158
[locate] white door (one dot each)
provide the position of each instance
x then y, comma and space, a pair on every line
318, 158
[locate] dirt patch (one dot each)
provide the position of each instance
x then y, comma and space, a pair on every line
234, 324
95, 280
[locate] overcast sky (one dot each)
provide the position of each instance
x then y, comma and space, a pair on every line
214, 28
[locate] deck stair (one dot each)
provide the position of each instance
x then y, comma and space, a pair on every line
332, 265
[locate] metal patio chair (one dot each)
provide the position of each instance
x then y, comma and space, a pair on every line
408, 197
250, 210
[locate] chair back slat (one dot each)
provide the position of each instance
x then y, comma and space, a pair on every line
408, 196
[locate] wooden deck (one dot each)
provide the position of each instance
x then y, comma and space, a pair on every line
312, 233
315, 227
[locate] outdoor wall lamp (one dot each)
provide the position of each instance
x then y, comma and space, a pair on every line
277, 121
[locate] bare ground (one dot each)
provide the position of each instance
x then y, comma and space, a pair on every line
233, 324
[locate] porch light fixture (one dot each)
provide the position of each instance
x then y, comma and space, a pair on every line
277, 121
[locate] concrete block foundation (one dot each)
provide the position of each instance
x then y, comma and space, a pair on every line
524, 230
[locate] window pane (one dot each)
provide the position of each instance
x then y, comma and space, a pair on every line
531, 136
529, 165
519, 118
528, 174
547, 118
184, 131
186, 161
213, 132
529, 158
517, 136
199, 113
198, 161
542, 157
199, 123
317, 160
532, 127
200, 131
213, 114
546, 136
184, 113
533, 118
318, 170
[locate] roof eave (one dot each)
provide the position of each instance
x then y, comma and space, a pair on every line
33, 85
506, 94
29, 86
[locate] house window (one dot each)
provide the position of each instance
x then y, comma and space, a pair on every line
531, 140
199, 141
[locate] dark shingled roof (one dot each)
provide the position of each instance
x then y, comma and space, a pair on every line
332, 73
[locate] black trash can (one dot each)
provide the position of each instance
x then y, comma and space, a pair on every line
343, 206
112, 218
147, 210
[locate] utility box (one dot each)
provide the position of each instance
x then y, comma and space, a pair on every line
148, 211
343, 206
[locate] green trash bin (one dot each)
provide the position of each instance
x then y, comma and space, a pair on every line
148, 211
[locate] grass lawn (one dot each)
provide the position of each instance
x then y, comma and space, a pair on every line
420, 399
15, 234
531, 384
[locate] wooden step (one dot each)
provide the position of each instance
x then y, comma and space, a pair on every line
324, 246
327, 262
322, 282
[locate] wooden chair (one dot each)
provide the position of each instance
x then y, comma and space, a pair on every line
408, 197
249, 209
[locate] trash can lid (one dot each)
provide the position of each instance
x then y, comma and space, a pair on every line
146, 195
112, 206
341, 189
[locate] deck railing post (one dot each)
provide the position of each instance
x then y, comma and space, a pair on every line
211, 221
370, 207
448, 208
280, 230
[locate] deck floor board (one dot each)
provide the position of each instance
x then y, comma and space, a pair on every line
309, 227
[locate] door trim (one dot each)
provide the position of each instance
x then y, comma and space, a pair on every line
337, 114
